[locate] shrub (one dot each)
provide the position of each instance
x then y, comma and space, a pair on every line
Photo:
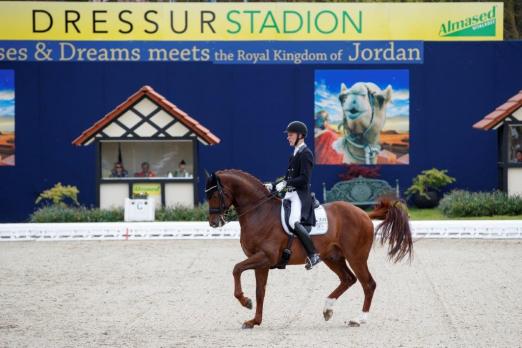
183, 213
461, 203
429, 180
59, 195
59, 213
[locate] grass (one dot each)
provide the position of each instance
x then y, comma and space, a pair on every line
436, 214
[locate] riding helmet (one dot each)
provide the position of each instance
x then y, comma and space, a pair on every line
297, 127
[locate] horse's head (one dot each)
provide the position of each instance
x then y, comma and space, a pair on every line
219, 200
233, 187
363, 104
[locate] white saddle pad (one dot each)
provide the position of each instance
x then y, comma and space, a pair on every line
321, 225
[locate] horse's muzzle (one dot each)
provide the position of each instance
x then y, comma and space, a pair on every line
219, 223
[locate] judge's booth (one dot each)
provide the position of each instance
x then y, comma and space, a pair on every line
147, 147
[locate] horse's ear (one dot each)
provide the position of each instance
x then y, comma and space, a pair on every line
343, 88
211, 179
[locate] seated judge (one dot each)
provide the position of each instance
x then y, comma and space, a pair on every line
182, 171
118, 171
145, 171
518, 156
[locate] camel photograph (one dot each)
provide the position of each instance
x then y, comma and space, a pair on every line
359, 122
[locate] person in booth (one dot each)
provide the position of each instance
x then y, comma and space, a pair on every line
182, 171
145, 171
518, 156
118, 171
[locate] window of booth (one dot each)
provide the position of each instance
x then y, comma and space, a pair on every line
147, 159
515, 144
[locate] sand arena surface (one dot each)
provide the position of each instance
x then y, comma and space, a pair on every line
456, 293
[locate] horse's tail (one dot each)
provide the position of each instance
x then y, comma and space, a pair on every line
395, 229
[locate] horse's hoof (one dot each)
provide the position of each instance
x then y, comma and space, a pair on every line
248, 303
354, 323
328, 314
247, 325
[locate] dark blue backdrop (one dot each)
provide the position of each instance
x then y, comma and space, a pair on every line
248, 107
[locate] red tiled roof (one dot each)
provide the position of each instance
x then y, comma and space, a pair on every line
500, 113
170, 108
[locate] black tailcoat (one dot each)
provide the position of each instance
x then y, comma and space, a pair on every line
299, 176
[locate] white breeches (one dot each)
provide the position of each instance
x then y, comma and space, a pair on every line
295, 211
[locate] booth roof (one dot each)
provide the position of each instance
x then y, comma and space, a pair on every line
500, 113
170, 108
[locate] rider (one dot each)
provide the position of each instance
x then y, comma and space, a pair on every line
297, 183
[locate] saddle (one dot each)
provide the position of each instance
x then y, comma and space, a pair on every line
321, 227
287, 207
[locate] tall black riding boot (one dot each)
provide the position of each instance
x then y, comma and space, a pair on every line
313, 257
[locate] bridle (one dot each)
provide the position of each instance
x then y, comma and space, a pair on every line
221, 211
224, 213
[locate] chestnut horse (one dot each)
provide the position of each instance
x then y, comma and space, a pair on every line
349, 237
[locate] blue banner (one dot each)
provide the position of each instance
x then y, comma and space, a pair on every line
217, 52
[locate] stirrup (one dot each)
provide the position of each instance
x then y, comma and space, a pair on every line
312, 261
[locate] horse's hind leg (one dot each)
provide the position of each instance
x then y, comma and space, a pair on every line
347, 278
368, 284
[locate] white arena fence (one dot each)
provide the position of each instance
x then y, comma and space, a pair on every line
462, 229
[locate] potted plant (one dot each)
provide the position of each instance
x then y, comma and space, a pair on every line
426, 187
60, 196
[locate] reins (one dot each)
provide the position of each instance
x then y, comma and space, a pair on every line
260, 203
220, 188
272, 195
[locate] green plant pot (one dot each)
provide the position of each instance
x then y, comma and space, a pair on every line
422, 202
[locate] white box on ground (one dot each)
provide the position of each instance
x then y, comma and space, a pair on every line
139, 209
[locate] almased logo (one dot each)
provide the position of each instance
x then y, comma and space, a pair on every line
483, 24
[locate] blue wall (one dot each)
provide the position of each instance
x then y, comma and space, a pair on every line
248, 107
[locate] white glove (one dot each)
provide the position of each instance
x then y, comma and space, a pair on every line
269, 187
280, 186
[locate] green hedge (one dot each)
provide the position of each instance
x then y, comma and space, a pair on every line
53, 213
460, 203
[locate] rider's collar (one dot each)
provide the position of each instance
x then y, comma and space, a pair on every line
299, 147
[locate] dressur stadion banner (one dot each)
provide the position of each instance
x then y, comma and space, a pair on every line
239, 33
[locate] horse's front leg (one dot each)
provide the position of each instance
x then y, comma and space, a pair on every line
258, 260
261, 278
